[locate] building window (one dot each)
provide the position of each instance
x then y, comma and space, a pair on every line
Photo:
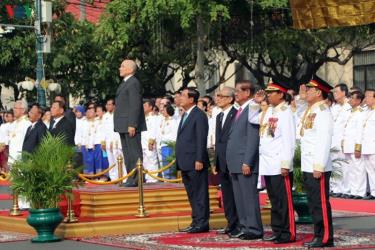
364, 69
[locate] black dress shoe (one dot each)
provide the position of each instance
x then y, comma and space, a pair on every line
235, 233
370, 197
282, 241
317, 242
250, 236
185, 230
196, 230
357, 197
271, 238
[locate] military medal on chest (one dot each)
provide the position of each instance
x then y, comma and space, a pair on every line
309, 123
272, 125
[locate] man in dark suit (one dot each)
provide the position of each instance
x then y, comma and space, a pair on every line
68, 113
36, 131
60, 125
192, 159
243, 159
225, 100
129, 118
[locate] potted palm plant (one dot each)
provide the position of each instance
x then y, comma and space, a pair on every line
42, 178
299, 196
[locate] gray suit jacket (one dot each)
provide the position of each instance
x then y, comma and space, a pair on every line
129, 107
243, 144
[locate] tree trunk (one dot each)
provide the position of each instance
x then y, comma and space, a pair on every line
199, 66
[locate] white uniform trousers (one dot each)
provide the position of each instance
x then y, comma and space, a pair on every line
369, 162
112, 159
356, 175
339, 181
150, 162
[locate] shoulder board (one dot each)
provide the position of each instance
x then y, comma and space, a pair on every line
254, 106
322, 107
284, 107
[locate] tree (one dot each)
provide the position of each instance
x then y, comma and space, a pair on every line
260, 37
72, 61
160, 34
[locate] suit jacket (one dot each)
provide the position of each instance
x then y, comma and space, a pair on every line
191, 143
129, 107
243, 144
69, 114
34, 136
221, 139
63, 127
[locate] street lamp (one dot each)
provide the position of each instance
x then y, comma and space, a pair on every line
40, 16
54, 87
27, 85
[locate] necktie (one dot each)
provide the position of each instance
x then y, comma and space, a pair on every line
29, 129
184, 119
221, 115
52, 124
238, 113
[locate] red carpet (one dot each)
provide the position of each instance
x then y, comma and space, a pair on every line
212, 240
343, 205
4, 183
5, 197
358, 206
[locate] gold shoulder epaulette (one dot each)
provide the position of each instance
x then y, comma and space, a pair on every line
322, 107
254, 107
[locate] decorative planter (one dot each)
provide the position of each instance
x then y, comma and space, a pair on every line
302, 208
45, 221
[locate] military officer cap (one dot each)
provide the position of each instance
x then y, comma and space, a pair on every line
277, 86
320, 84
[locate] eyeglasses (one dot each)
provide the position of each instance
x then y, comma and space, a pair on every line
221, 96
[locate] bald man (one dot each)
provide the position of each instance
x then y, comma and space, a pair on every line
129, 118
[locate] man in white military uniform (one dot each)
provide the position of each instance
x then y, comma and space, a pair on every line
276, 152
365, 147
352, 131
17, 132
148, 139
340, 113
316, 136
112, 141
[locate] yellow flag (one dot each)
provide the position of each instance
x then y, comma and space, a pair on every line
314, 14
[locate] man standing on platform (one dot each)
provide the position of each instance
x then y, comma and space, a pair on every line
225, 100
129, 118
192, 159
243, 160
316, 136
